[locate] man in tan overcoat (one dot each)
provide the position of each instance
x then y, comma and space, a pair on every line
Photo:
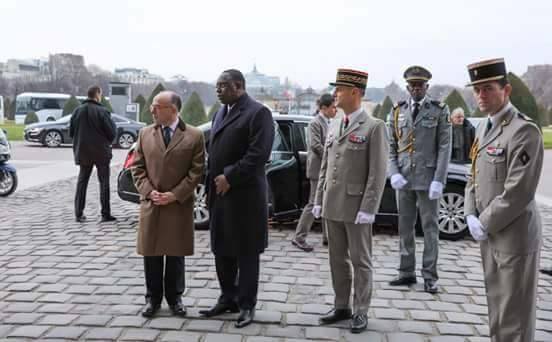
500, 206
168, 166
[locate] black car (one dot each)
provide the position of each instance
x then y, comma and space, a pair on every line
55, 133
289, 187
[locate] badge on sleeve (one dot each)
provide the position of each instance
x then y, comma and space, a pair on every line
524, 158
357, 139
495, 151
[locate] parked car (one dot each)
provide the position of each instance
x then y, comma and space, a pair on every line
56, 133
289, 187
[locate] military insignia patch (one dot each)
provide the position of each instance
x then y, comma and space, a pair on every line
524, 158
357, 139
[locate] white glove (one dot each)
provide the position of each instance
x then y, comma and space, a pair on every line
398, 181
435, 190
317, 211
477, 230
364, 218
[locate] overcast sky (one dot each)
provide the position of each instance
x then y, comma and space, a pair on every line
305, 40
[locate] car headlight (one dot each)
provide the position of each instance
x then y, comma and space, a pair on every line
35, 130
4, 142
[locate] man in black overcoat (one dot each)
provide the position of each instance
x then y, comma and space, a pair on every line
240, 144
93, 131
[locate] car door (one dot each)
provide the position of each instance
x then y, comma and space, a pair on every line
282, 173
299, 145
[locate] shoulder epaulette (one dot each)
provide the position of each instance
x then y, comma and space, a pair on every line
525, 117
438, 103
399, 104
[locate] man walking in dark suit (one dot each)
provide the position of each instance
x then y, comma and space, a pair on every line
240, 145
93, 131
318, 129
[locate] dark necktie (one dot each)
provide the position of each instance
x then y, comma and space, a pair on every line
415, 111
167, 135
489, 126
345, 121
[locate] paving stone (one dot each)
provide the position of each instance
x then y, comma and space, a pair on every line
275, 287
58, 319
139, 335
263, 316
447, 339
416, 327
21, 307
408, 304
403, 337
81, 289
103, 334
262, 339
273, 297
56, 308
70, 333
281, 307
315, 308
289, 331
55, 298
24, 297
542, 336
389, 313
284, 280
423, 315
128, 321
302, 319
205, 325
52, 288
475, 309
454, 329
365, 336
443, 306
321, 333
223, 338
455, 317
93, 320
179, 336
22, 318
29, 331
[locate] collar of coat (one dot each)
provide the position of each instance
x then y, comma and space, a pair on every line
181, 124
89, 100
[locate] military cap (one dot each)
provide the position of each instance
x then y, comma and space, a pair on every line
488, 70
351, 78
417, 73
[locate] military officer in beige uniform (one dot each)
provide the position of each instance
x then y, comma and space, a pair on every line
420, 136
350, 187
500, 206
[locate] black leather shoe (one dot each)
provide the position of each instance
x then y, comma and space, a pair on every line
335, 315
245, 318
219, 309
359, 322
178, 309
80, 219
430, 286
150, 309
108, 218
325, 242
399, 281
302, 245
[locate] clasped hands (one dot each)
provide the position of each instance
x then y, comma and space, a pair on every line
161, 198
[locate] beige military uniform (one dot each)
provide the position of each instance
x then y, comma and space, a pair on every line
352, 179
507, 163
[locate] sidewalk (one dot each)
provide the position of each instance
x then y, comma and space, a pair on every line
66, 281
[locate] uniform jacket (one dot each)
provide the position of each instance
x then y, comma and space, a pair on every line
506, 168
353, 171
420, 150
318, 128
178, 168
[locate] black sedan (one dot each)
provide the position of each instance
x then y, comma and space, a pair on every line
289, 187
56, 133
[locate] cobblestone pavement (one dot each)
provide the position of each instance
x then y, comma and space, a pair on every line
62, 280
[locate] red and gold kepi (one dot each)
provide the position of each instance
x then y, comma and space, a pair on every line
486, 71
351, 78
417, 73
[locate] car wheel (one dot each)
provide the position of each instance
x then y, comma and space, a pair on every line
201, 210
8, 182
51, 119
452, 224
52, 139
125, 140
